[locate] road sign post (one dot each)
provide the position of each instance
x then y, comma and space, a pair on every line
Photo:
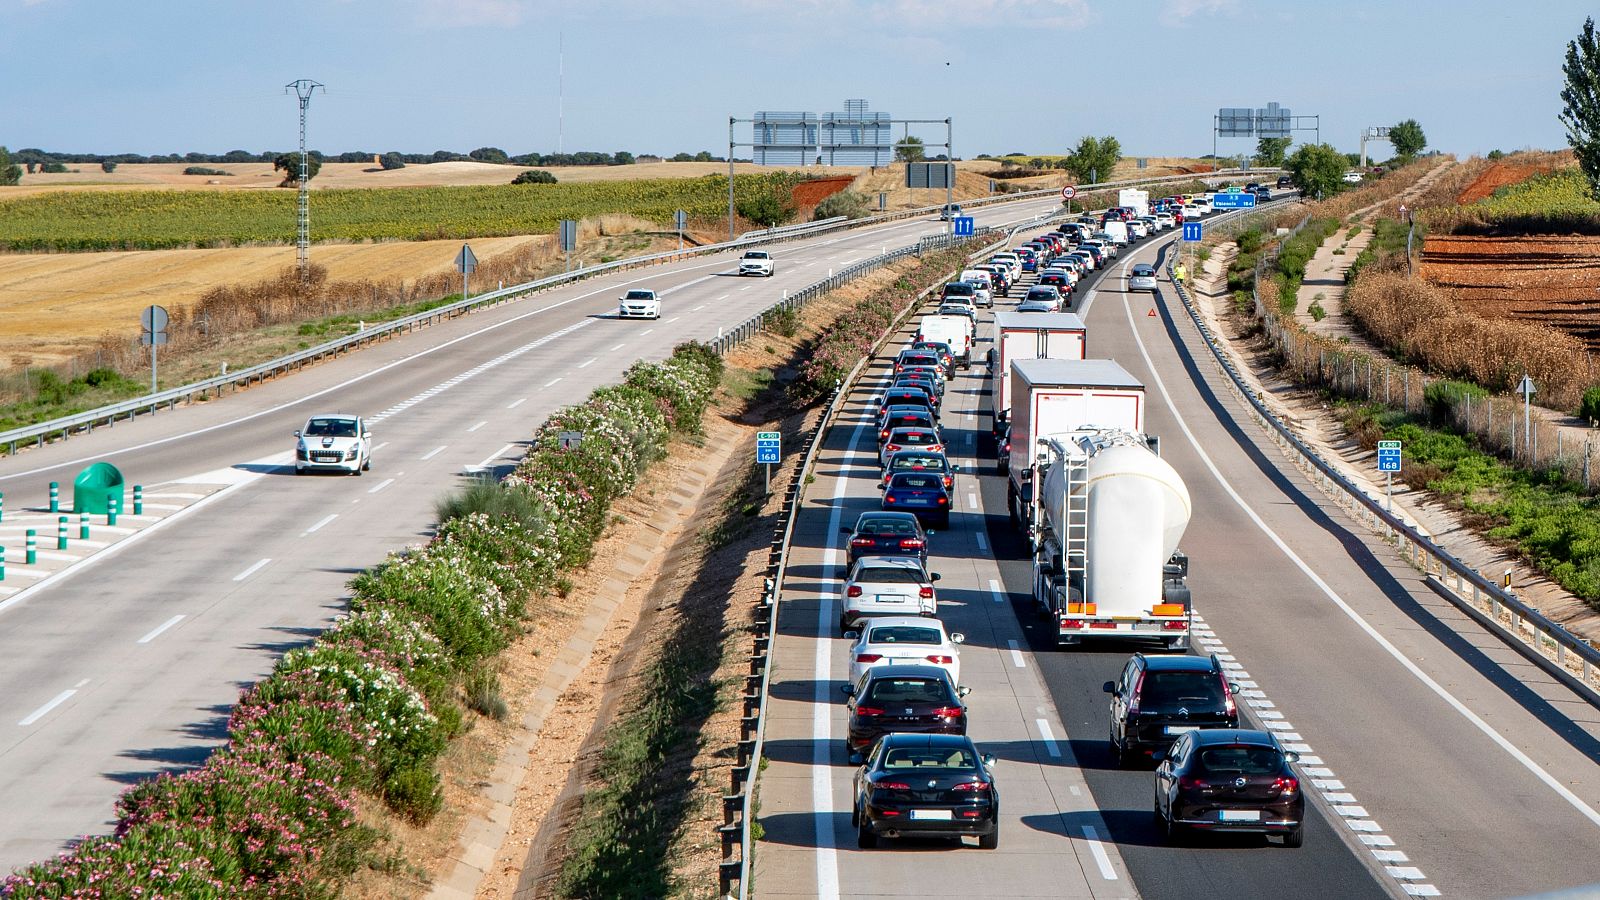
153, 322
1526, 389
466, 264
769, 450
1067, 193
964, 226
681, 219
1388, 464
569, 238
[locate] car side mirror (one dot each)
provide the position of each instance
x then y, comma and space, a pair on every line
1233, 687
934, 577
1291, 756
366, 434
882, 486
957, 637
852, 635
1109, 687
848, 690
297, 434
1158, 755
989, 760
963, 690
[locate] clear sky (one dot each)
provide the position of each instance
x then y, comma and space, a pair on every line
164, 76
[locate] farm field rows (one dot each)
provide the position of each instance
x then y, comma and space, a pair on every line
1549, 279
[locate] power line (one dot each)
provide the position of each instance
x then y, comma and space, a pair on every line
303, 89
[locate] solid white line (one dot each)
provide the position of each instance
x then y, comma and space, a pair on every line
435, 452
1327, 590
1100, 858
588, 362
517, 403
156, 632
252, 570
998, 592
380, 485
1049, 738
1016, 655
552, 382
42, 711
983, 542
497, 454
477, 426
312, 530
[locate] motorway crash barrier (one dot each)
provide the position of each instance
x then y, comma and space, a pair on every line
95, 487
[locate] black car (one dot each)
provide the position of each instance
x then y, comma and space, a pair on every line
1226, 779
893, 699
920, 461
1285, 181
886, 534
1157, 699
926, 785
919, 357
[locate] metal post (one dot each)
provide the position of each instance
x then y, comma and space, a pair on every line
32, 557
61, 533
950, 182
153, 388
138, 499
730, 177
1388, 491
55, 497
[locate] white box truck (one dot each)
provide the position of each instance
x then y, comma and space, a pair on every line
1031, 336
1052, 398
1135, 199
953, 330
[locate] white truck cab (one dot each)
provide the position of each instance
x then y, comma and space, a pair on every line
333, 442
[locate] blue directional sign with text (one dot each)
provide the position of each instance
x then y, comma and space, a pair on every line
1193, 231
1388, 456
963, 226
1233, 201
769, 447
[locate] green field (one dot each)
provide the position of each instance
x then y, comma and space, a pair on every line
156, 220
1557, 203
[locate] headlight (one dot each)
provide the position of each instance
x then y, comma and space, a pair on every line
353, 452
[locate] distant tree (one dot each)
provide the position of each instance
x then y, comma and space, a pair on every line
239, 156
622, 158
354, 156
10, 172
53, 168
1038, 162
1317, 170
108, 167
1496, 154
851, 204
392, 160
489, 155
289, 165
910, 150
446, 156
537, 176
766, 208
1580, 100
1270, 151
683, 157
704, 156
1407, 138
1094, 159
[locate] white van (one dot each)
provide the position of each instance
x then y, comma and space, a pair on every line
984, 296
1116, 230
953, 330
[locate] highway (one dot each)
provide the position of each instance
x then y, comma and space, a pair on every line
1438, 762
129, 666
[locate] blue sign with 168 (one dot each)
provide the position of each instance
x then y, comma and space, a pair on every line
769, 446
1388, 456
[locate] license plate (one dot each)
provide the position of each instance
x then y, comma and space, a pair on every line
1240, 815
1147, 626
891, 598
1179, 729
935, 815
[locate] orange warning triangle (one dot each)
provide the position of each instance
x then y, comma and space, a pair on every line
1151, 314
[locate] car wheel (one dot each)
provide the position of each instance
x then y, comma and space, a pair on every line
1119, 756
991, 841
865, 838
1295, 838
1175, 834
855, 815
366, 464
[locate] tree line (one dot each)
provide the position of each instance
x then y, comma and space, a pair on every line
40, 158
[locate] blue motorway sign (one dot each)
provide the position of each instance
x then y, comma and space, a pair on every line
769, 447
1193, 231
963, 226
1233, 201
1388, 456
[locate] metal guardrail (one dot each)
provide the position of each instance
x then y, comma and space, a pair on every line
64, 426
1569, 658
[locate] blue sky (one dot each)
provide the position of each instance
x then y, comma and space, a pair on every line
166, 76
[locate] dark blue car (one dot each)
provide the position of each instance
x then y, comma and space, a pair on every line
922, 494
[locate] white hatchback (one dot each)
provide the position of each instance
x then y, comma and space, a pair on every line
333, 443
905, 640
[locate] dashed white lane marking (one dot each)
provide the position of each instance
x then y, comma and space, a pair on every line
724, 296
983, 542
517, 403
313, 529
617, 347
1048, 738
437, 450
1016, 655
972, 501
646, 331
673, 319
254, 568
698, 308
44, 710
553, 382
380, 485
997, 591
156, 631
477, 426
588, 362
1092, 837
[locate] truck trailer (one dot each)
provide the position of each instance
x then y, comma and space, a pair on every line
1135, 199
1031, 336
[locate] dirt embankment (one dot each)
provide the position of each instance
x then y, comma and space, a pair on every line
1503, 174
1548, 279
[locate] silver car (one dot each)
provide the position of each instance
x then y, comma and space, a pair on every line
887, 586
1142, 277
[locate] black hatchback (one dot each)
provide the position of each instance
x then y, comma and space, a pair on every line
926, 785
1158, 699
1230, 780
886, 534
893, 699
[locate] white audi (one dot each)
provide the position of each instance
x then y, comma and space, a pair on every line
333, 443
905, 640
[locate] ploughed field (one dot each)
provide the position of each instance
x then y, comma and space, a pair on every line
1549, 279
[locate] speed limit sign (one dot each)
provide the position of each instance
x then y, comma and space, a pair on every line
1068, 192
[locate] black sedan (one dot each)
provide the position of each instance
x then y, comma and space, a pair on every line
889, 699
886, 534
1229, 780
926, 785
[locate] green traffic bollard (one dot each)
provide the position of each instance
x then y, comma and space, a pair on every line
83, 526
2, 564
138, 499
33, 548
55, 497
61, 533
112, 509
2, 507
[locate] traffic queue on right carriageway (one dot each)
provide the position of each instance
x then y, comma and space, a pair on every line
1101, 513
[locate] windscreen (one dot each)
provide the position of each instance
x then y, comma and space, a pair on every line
890, 691
903, 758
640, 295
331, 428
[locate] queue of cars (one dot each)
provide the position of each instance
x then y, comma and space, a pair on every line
920, 774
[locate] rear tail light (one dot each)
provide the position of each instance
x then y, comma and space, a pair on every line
948, 712
939, 660
971, 813
972, 786
861, 542
943, 501
888, 498
892, 786
868, 711
1073, 624
868, 657
1190, 783
853, 591
1286, 785
911, 543
925, 593
1174, 626
1138, 688
1227, 699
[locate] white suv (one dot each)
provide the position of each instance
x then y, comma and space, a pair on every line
639, 303
333, 443
887, 586
756, 262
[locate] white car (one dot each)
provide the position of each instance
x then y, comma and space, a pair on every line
334, 442
756, 262
1167, 221
906, 640
887, 586
1142, 278
983, 294
1196, 208
1107, 249
639, 303
1352, 177
1045, 294
1011, 261
1138, 229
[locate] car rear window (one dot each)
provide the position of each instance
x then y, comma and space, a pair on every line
919, 359
1036, 294
888, 575
925, 758
917, 461
917, 481
904, 634
1169, 691
1240, 760
907, 690
958, 289
914, 438
891, 526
